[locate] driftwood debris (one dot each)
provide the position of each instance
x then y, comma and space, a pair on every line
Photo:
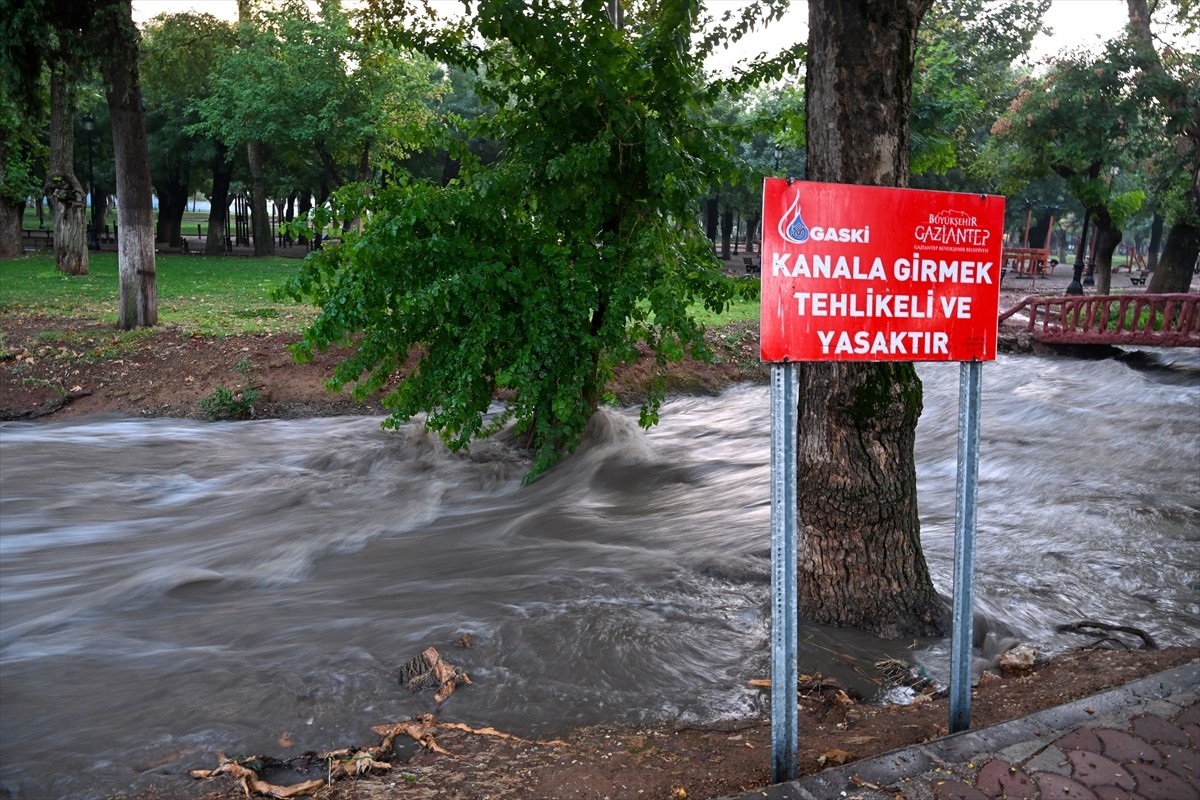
351, 761
252, 783
429, 671
1090, 627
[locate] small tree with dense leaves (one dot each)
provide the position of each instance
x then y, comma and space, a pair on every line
532, 276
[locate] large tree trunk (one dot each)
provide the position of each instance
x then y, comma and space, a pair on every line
860, 558
1155, 244
172, 202
264, 241
135, 240
69, 200
1179, 255
10, 223
726, 232
11, 213
1107, 238
218, 211
1174, 273
710, 219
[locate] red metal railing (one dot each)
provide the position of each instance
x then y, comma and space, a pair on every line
1156, 320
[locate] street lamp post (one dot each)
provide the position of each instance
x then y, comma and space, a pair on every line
1076, 284
778, 155
89, 123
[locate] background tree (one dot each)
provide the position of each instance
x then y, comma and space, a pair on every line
102, 30
113, 25
22, 164
305, 82
967, 68
178, 55
44, 34
1169, 81
860, 561
1084, 122
68, 200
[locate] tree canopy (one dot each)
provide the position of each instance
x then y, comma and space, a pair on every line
533, 275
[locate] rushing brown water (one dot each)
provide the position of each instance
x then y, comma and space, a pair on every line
172, 588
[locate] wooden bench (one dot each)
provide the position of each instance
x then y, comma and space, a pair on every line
751, 267
1139, 279
38, 238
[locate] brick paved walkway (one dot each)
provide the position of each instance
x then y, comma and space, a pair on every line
1140, 741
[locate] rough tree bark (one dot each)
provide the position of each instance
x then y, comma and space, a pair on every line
726, 232
1107, 237
218, 211
10, 223
1155, 244
69, 200
10, 213
135, 240
264, 242
860, 558
172, 192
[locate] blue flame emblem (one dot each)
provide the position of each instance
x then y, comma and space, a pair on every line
791, 226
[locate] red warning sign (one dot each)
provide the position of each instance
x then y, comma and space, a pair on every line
866, 273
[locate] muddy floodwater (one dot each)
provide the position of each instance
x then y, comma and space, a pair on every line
173, 588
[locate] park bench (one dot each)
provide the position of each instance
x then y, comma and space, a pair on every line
1139, 279
38, 238
751, 267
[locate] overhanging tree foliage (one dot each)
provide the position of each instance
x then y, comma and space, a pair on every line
534, 275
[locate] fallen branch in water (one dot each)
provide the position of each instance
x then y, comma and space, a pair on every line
1089, 627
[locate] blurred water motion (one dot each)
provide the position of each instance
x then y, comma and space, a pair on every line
173, 588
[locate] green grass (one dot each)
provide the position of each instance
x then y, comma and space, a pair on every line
212, 295
207, 295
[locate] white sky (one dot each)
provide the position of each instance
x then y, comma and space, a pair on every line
1074, 23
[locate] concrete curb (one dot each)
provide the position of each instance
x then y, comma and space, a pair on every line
1164, 695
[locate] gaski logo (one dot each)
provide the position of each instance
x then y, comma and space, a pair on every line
793, 229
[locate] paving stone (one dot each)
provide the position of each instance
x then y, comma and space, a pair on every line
1059, 787
1156, 729
1158, 784
955, 790
1049, 760
1189, 716
1124, 748
1014, 754
1193, 731
1001, 779
1184, 763
1082, 739
1093, 769
1112, 793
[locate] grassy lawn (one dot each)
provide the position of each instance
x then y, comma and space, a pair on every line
207, 295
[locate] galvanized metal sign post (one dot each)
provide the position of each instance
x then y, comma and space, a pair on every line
864, 273
785, 716
970, 391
